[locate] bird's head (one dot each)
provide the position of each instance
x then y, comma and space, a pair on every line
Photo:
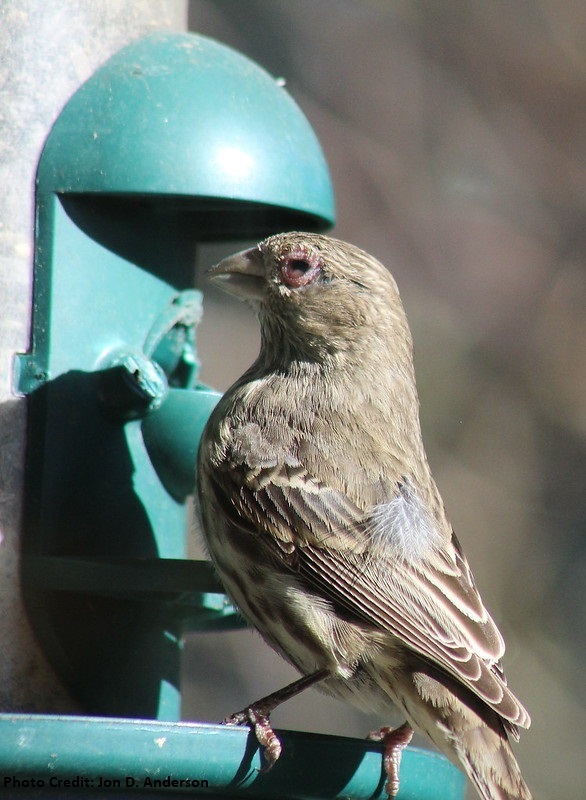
317, 297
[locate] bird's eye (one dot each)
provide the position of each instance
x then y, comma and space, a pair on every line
299, 269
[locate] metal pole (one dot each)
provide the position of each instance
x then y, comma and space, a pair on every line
46, 51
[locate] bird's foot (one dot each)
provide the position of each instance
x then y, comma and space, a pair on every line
259, 720
257, 715
394, 740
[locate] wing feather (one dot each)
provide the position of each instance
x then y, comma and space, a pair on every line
431, 605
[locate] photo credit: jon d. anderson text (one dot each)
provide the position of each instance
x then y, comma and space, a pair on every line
102, 782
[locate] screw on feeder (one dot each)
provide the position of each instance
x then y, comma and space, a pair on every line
132, 387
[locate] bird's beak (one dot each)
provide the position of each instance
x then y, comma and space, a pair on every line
242, 275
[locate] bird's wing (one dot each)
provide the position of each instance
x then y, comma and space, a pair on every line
429, 603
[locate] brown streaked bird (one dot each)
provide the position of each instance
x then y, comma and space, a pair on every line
326, 527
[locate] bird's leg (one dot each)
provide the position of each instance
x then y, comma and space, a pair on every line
257, 714
394, 740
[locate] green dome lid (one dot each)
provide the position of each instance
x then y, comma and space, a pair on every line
183, 116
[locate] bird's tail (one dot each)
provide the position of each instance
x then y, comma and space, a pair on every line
489, 762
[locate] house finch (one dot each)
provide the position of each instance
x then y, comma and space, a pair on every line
326, 527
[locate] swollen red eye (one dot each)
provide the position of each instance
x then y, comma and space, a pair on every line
299, 268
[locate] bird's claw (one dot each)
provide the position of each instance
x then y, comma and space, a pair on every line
394, 740
260, 723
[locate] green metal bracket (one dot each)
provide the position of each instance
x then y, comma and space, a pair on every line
176, 140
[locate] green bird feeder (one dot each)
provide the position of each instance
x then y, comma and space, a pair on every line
177, 140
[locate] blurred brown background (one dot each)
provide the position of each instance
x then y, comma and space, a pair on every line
455, 135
